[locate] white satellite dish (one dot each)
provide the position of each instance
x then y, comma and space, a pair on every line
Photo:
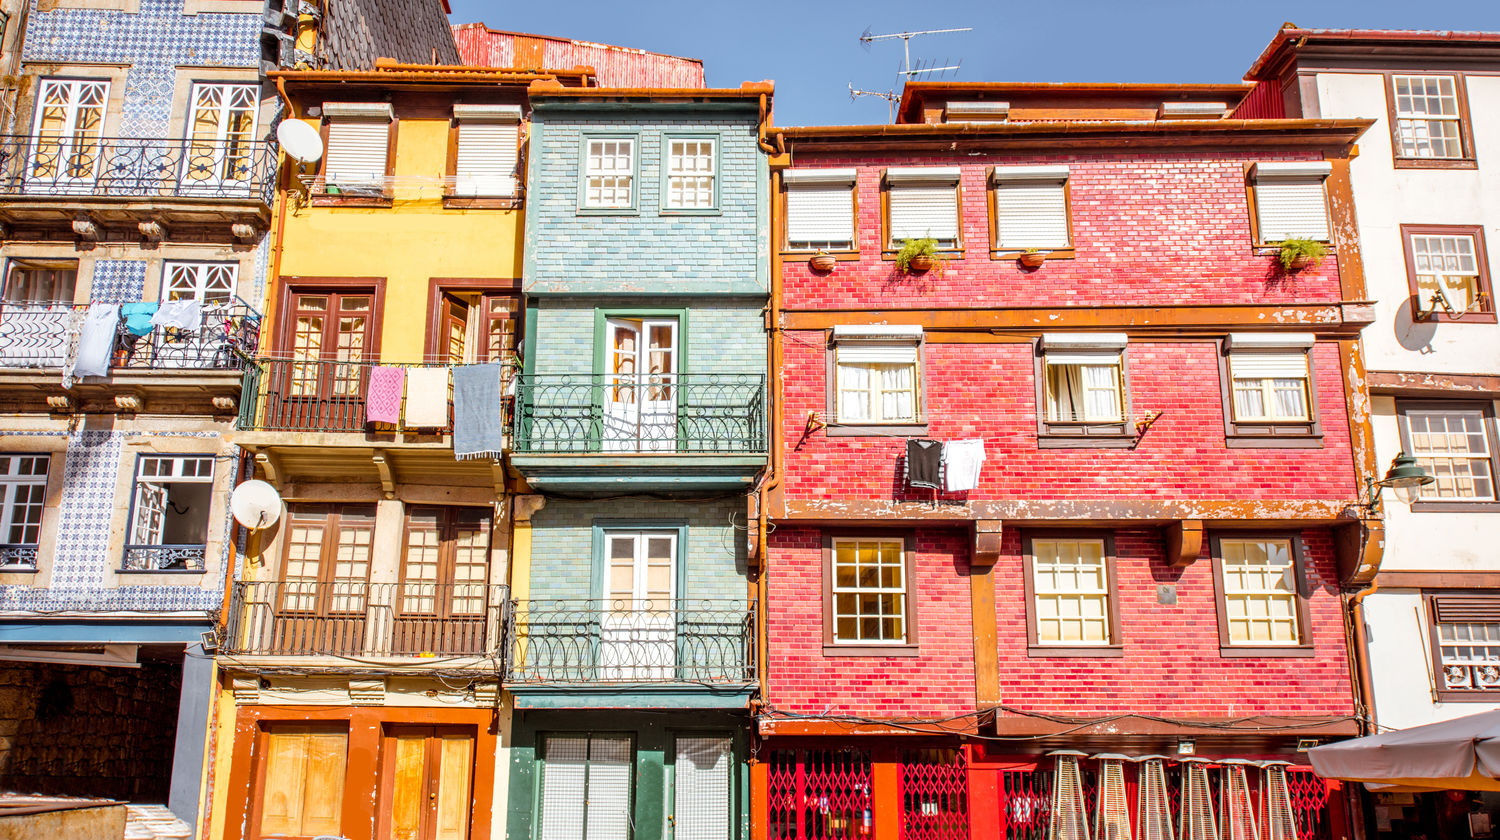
300, 140
255, 504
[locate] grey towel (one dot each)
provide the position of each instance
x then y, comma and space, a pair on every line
923, 463
478, 411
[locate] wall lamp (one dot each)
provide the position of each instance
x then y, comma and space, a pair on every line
1404, 476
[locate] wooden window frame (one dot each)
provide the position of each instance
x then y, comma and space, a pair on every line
587, 137
1486, 409
837, 428
495, 202
1305, 647
1439, 689
1253, 206
783, 227
1485, 315
1465, 126
293, 286
887, 252
1290, 434
1121, 435
998, 253
332, 514
433, 339
320, 198
1037, 649
912, 645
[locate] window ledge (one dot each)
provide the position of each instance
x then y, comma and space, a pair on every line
1477, 696
326, 200
1434, 163
160, 571
18, 570
690, 211
1091, 652
1056, 441
1273, 441
1467, 318
889, 254
875, 430
608, 211
1455, 506
1249, 652
799, 256
871, 650
482, 202
1047, 253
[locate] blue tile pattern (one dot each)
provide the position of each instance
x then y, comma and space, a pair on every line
118, 281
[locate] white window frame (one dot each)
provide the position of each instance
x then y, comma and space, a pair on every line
675, 176
1413, 129
1441, 271
1075, 564
475, 174
594, 153
1267, 384
67, 138
1484, 640
1246, 596
189, 280
1428, 456
836, 589
1299, 185
868, 354
835, 230
153, 471
12, 481
933, 181
1032, 190
222, 148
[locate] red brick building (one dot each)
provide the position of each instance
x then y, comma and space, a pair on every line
1148, 560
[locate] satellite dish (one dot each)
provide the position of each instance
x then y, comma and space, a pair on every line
255, 504
300, 140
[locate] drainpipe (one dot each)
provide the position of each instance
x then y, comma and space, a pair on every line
1364, 689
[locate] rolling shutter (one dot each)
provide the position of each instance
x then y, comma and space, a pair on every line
487, 159
1466, 609
564, 780
924, 211
1031, 215
820, 213
608, 803
1268, 365
878, 354
356, 153
701, 790
1289, 200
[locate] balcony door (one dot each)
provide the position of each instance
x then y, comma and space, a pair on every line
327, 336
325, 580
476, 326
426, 780
442, 605
67, 135
638, 627
640, 393
220, 153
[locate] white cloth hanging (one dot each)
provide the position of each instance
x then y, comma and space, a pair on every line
96, 341
182, 314
961, 462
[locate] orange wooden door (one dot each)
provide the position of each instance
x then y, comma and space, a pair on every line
426, 780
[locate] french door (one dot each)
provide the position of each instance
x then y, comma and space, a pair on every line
325, 580
442, 603
427, 777
640, 388
67, 135
326, 337
221, 137
638, 627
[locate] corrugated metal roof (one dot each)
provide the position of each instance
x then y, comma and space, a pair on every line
613, 66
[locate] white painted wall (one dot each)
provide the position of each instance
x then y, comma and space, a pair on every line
1402, 663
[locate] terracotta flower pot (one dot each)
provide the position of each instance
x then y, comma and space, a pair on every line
1301, 261
822, 262
922, 263
1033, 260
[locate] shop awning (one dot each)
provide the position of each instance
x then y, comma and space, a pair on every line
1462, 754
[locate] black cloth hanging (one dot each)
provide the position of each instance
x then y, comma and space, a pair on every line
924, 463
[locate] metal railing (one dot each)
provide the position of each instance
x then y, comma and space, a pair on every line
360, 619
164, 558
137, 167
37, 335
322, 396
18, 556
604, 641
700, 413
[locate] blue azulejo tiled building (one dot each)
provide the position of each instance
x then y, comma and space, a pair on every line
640, 427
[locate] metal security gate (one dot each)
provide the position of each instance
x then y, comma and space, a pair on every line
934, 794
819, 795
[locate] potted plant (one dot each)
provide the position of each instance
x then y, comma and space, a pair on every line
821, 261
1032, 258
1297, 254
919, 255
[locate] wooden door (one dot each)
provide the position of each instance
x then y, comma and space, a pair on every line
427, 774
325, 572
301, 781
442, 605
325, 336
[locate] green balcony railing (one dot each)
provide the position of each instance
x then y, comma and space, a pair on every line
704, 413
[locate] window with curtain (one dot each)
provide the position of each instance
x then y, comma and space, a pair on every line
1259, 581
1448, 261
1270, 387
877, 381
1453, 444
1084, 388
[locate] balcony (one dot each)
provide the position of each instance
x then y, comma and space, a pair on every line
164, 558
128, 180
369, 621
567, 652
690, 432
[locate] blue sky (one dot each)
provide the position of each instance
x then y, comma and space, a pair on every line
811, 48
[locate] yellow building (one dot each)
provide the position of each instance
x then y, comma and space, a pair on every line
361, 665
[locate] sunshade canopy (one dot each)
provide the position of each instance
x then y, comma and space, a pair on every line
1463, 753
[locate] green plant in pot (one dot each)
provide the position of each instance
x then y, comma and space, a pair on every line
1297, 254
919, 255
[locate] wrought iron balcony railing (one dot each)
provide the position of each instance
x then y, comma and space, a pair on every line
683, 413
164, 558
321, 396
626, 641
137, 167
360, 619
37, 335
17, 556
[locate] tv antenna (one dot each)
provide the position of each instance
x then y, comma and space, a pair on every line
908, 71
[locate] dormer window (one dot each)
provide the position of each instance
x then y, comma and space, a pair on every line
977, 112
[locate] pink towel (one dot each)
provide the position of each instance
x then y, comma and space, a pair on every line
383, 399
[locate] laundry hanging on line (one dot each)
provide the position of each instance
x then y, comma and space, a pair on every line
952, 467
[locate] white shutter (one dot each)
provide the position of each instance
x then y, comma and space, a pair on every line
564, 769
820, 213
608, 803
1083, 358
487, 158
1031, 215
1268, 365
1291, 208
883, 354
701, 789
357, 152
924, 212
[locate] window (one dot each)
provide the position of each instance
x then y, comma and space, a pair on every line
41, 281
1268, 393
169, 513
488, 150
209, 283
691, 174
866, 582
1430, 117
875, 378
586, 790
701, 784
359, 138
221, 129
473, 323
1455, 443
302, 781
23, 494
638, 628
1261, 604
1070, 581
609, 173
325, 565
1448, 272
68, 132
922, 203
1465, 644
1289, 200
819, 209
1031, 208
1081, 390
445, 563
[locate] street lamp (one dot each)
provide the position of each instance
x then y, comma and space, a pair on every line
1404, 476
